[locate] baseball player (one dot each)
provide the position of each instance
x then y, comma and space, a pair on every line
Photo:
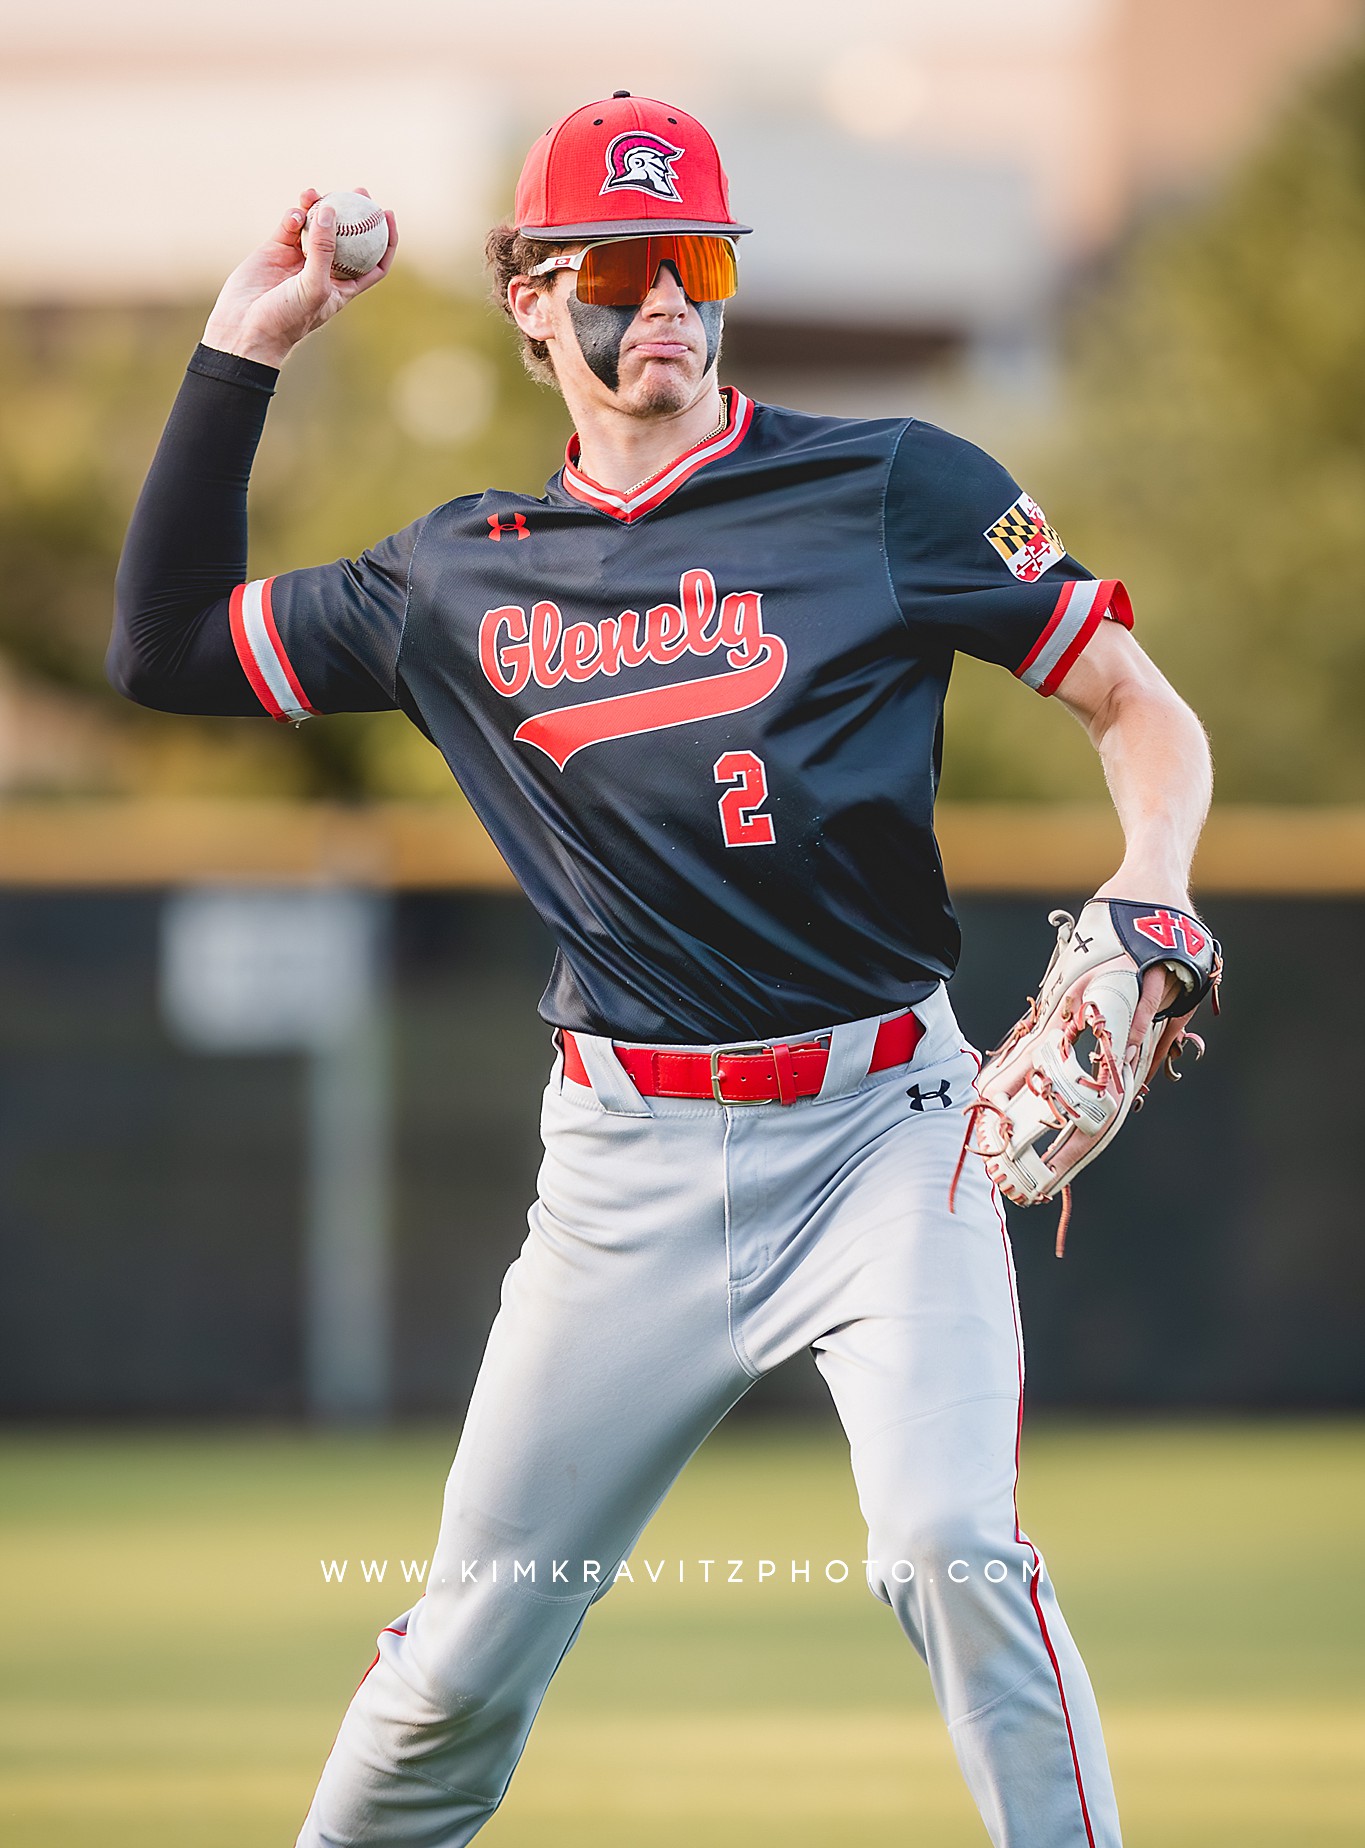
695, 694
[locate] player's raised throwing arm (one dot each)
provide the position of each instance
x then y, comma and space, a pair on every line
185, 555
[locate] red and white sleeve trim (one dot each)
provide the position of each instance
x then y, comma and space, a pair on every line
1082, 606
647, 495
261, 653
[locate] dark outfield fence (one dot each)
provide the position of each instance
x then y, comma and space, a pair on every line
151, 1197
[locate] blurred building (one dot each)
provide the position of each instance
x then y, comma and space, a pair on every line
925, 180
927, 185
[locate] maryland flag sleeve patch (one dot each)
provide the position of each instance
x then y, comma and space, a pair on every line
1023, 538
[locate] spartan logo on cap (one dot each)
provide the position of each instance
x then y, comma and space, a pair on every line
640, 162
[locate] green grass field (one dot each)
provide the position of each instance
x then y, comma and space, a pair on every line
175, 1666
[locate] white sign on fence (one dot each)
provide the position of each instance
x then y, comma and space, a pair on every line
248, 970
257, 970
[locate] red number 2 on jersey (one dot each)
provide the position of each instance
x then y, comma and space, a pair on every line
747, 791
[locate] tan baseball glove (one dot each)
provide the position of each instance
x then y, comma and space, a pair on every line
1040, 1115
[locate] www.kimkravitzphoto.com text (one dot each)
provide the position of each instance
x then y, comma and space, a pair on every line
569, 1573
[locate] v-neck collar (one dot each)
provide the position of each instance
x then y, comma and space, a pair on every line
648, 494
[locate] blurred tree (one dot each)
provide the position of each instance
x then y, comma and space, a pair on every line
82, 395
1211, 451
412, 397
1213, 455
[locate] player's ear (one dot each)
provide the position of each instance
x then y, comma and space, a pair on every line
530, 308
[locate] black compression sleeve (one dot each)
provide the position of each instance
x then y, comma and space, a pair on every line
186, 548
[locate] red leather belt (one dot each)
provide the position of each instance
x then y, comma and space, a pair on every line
757, 1074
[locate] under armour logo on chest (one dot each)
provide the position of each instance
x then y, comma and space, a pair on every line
919, 1098
497, 526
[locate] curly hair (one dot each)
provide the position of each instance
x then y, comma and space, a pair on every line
508, 254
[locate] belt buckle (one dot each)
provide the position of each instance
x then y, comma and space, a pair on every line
744, 1049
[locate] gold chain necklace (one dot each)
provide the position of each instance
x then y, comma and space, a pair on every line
724, 419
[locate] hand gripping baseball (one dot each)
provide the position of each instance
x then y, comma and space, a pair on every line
1040, 1116
280, 293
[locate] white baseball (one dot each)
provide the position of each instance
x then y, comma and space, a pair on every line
362, 233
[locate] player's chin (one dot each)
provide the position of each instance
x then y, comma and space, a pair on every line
651, 386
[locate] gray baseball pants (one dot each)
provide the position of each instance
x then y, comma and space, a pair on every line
678, 1251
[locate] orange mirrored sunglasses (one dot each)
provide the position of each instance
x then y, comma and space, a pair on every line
620, 272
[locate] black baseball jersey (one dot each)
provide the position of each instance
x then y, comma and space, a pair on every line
702, 719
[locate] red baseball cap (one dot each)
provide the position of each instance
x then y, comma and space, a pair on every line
623, 168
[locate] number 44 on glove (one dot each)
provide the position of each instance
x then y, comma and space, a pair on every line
1039, 1115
